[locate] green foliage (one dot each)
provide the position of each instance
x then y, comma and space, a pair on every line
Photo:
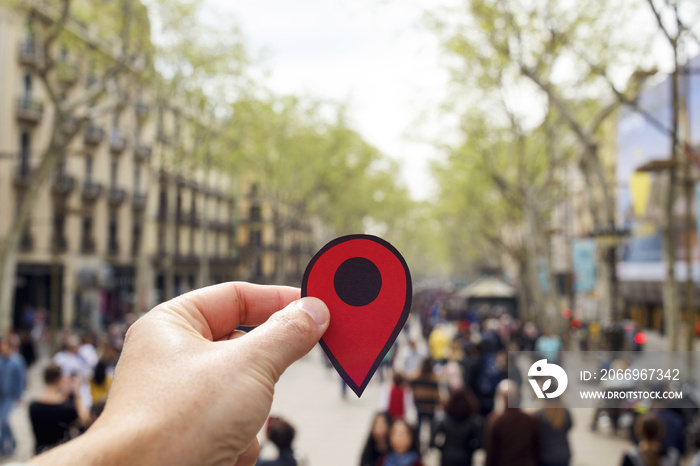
304, 153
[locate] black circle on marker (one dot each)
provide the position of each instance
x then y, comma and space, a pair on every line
357, 281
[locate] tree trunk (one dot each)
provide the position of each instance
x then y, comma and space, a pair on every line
530, 237
671, 304
171, 240
10, 245
203, 277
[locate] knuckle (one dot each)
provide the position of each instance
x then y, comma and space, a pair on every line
294, 323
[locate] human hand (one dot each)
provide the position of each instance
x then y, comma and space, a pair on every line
189, 388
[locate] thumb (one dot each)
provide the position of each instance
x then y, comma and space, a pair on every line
286, 336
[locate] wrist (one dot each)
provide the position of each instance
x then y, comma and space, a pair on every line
109, 442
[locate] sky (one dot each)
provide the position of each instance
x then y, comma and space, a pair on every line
375, 56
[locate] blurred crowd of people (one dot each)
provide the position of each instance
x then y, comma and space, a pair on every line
447, 390
455, 394
76, 380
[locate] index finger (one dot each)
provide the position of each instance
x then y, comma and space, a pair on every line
220, 309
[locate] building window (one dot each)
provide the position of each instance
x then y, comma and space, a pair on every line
24, 153
161, 239
27, 87
256, 238
59, 226
113, 172
137, 178
255, 213
87, 244
135, 237
112, 232
88, 169
178, 204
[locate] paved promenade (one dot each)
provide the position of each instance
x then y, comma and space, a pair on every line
331, 430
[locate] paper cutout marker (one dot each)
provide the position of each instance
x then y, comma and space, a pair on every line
366, 285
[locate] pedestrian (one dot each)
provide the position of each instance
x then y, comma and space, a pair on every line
412, 358
491, 370
26, 348
554, 423
426, 395
87, 351
377, 443
57, 410
73, 365
387, 364
188, 388
458, 435
650, 452
548, 346
403, 443
674, 429
398, 397
28, 316
439, 343
13, 381
281, 434
511, 436
100, 382
696, 444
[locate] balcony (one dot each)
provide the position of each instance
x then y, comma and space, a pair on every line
162, 136
187, 218
94, 135
87, 246
27, 52
66, 73
117, 142
70, 125
223, 261
23, 174
91, 191
186, 259
59, 244
142, 152
162, 215
113, 248
26, 242
63, 185
222, 226
138, 201
142, 110
29, 110
116, 196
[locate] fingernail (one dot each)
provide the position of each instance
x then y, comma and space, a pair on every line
315, 308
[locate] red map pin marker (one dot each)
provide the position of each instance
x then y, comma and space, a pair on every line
366, 285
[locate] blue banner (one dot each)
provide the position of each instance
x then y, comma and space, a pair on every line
584, 265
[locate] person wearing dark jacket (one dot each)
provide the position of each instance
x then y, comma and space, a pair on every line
378, 440
511, 436
426, 395
554, 423
458, 434
281, 434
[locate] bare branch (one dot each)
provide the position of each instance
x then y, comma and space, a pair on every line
602, 115
58, 26
585, 138
657, 15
